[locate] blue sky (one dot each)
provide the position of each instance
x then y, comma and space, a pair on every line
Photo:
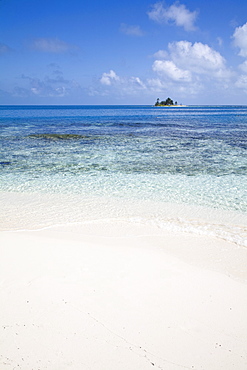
123, 52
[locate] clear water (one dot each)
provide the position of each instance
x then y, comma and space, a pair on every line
193, 156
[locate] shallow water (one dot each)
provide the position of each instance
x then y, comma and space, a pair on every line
193, 156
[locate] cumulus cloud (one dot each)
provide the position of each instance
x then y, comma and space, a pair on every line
240, 39
243, 66
176, 14
131, 30
156, 84
184, 68
241, 82
136, 82
170, 87
187, 67
125, 85
161, 54
50, 45
109, 78
194, 53
169, 69
199, 58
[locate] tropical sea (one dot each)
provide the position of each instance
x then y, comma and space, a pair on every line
182, 168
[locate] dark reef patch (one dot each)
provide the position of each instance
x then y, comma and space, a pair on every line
58, 136
5, 163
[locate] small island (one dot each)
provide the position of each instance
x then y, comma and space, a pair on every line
167, 103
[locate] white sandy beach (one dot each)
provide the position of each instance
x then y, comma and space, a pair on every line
118, 295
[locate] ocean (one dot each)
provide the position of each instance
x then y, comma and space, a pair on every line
182, 168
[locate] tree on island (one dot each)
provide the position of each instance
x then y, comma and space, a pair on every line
168, 101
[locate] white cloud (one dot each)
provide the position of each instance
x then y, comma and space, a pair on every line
188, 68
174, 88
198, 58
184, 68
169, 69
243, 66
161, 54
176, 13
242, 82
109, 78
156, 84
50, 45
240, 39
124, 85
131, 30
136, 81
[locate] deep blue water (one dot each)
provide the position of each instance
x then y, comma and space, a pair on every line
194, 155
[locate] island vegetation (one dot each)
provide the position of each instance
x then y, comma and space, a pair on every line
166, 103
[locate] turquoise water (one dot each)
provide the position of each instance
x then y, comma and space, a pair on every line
193, 155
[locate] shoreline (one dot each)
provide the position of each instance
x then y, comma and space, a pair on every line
34, 211
171, 106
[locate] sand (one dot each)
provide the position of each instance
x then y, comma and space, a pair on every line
118, 295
